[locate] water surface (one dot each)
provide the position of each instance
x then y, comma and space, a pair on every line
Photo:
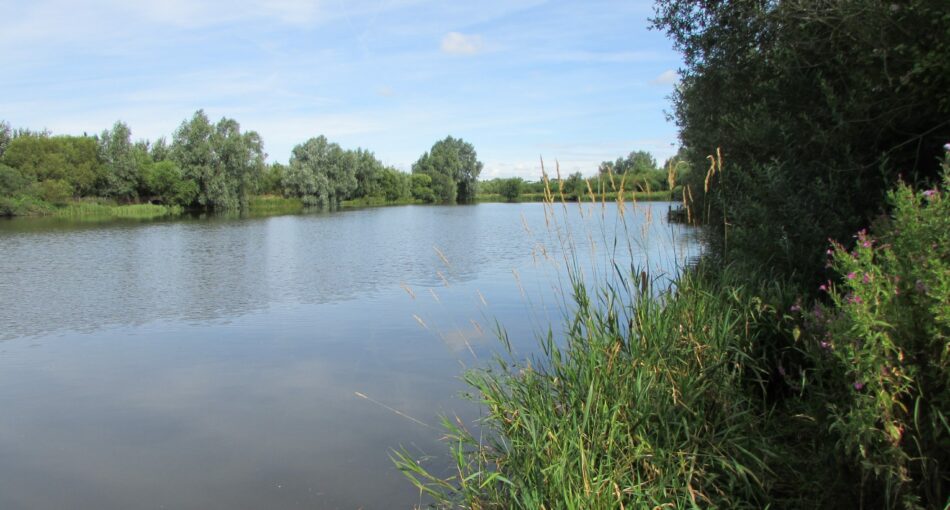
215, 363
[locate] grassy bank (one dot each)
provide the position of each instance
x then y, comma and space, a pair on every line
81, 210
274, 205
728, 390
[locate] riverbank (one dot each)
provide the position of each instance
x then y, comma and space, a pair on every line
727, 389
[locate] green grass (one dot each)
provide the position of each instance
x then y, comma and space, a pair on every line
271, 204
647, 405
95, 210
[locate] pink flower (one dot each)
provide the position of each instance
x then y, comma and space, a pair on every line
858, 386
866, 278
851, 275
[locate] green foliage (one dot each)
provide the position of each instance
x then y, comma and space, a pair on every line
422, 188
510, 189
646, 406
884, 347
54, 191
395, 186
817, 106
123, 175
320, 173
165, 182
224, 162
6, 135
12, 181
40, 157
454, 168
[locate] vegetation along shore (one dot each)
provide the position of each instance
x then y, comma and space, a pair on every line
804, 362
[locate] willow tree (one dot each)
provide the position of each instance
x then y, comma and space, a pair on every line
453, 166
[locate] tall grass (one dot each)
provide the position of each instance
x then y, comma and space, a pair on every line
721, 391
80, 210
653, 399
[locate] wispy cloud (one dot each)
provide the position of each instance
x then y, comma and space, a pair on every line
455, 43
668, 77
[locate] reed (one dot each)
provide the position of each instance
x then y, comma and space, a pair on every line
652, 398
94, 210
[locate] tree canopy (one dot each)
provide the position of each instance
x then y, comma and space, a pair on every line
453, 166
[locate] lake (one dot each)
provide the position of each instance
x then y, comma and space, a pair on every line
222, 362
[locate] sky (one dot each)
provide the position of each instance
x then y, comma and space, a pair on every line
577, 82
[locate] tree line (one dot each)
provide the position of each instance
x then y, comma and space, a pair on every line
216, 166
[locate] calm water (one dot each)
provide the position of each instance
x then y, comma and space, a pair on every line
214, 363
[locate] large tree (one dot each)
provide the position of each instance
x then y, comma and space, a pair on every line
320, 173
123, 175
818, 108
454, 168
223, 162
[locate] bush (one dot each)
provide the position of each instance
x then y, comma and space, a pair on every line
883, 345
54, 191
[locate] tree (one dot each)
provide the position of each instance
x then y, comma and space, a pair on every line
192, 151
395, 185
454, 168
320, 173
510, 189
123, 175
6, 135
223, 162
40, 157
817, 106
165, 182
422, 188
368, 172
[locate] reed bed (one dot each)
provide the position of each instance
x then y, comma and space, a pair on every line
651, 398
80, 210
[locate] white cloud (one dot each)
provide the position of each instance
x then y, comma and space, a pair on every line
455, 43
668, 77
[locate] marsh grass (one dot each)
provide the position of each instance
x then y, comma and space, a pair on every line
272, 204
650, 398
94, 210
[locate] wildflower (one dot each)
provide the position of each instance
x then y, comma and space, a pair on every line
825, 344
851, 275
946, 147
930, 193
920, 287
855, 300
866, 278
795, 308
823, 287
858, 385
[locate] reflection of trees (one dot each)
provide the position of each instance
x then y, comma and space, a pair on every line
127, 274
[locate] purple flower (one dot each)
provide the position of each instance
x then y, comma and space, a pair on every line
825, 344
866, 278
795, 308
930, 193
858, 385
946, 147
851, 275
856, 300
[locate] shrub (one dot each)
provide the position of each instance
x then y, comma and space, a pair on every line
883, 345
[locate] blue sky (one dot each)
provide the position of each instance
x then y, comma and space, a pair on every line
580, 81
